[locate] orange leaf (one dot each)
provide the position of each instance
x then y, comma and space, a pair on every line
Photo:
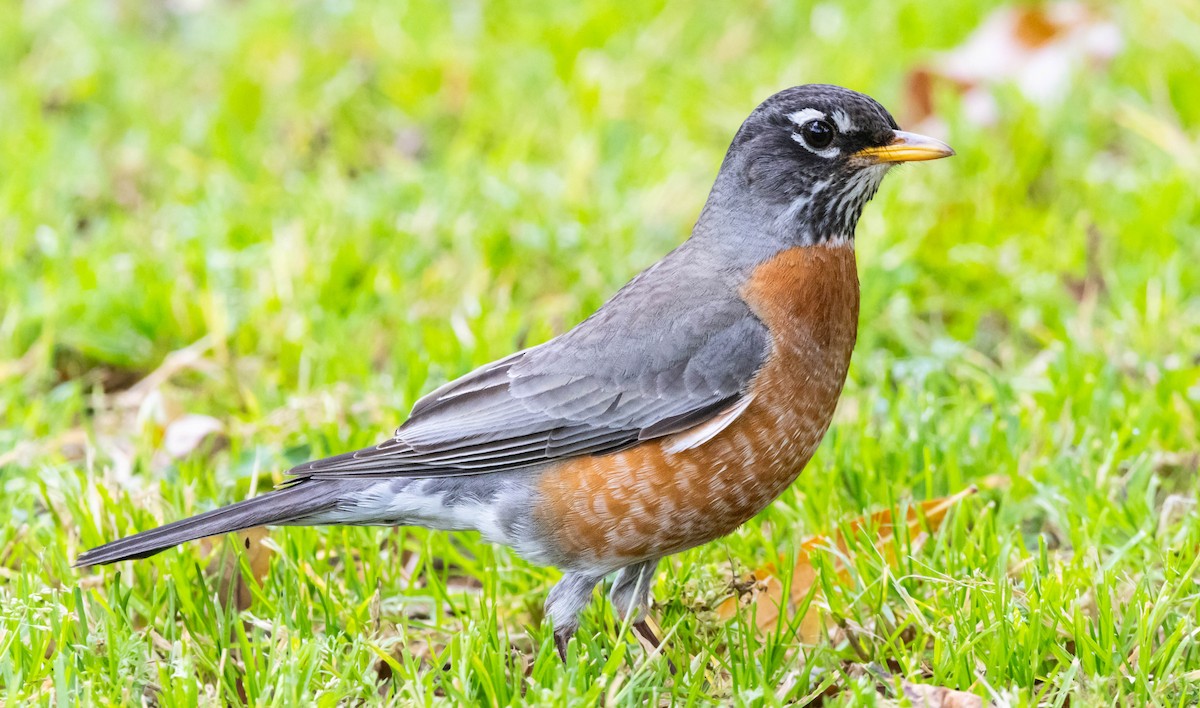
765, 591
804, 575
728, 608
232, 587
769, 598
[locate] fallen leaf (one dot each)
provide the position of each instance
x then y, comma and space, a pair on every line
231, 584
188, 432
923, 695
933, 512
1039, 48
761, 590
764, 591
728, 608
804, 575
769, 598
919, 695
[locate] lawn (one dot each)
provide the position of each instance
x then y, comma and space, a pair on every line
281, 223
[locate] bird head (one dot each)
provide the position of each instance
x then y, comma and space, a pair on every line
813, 155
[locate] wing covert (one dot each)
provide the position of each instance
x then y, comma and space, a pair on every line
629, 373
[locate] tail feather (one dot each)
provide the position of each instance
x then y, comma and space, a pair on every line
279, 507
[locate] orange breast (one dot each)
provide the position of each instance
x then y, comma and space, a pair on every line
647, 501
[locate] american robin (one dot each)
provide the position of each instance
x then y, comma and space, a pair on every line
672, 415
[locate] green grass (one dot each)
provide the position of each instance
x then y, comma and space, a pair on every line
351, 202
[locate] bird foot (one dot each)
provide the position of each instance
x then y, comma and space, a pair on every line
560, 643
646, 632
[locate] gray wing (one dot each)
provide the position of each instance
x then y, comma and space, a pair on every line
662, 356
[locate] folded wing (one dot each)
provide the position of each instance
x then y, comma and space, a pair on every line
640, 368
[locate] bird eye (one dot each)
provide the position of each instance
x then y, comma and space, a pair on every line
818, 134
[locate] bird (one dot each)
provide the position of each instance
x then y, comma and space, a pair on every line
680, 409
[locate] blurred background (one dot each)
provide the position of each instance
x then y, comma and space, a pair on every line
237, 234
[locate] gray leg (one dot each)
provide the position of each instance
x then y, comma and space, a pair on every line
630, 593
563, 605
630, 597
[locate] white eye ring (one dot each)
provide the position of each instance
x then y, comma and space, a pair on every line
800, 118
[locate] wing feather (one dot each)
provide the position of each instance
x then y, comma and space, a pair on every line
647, 365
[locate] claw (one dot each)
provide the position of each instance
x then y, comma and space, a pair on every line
645, 631
560, 643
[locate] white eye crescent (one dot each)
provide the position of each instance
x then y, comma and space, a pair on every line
842, 121
811, 124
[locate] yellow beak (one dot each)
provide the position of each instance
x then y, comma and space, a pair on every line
907, 147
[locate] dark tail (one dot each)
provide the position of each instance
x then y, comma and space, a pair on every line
282, 506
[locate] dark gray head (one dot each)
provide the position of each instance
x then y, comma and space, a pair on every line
812, 156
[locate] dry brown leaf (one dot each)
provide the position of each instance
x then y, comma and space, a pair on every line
804, 575
764, 590
231, 585
121, 416
769, 598
188, 432
728, 608
923, 695
1038, 48
761, 590
933, 512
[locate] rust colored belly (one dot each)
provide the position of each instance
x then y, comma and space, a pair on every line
647, 502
